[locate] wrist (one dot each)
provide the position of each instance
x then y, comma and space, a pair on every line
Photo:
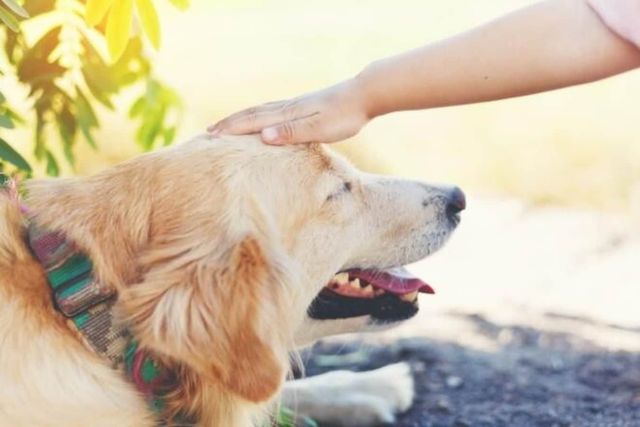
364, 93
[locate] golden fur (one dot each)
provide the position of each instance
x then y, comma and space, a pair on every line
216, 249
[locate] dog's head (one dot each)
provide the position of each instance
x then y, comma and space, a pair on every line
228, 253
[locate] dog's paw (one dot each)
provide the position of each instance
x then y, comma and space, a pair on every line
356, 399
382, 394
393, 383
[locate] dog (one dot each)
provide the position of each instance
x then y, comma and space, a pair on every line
201, 267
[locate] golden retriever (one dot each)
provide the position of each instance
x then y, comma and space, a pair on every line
223, 254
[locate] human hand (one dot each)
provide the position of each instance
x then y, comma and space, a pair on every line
328, 115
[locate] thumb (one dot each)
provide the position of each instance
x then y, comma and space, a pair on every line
292, 132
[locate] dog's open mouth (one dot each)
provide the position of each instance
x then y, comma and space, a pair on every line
373, 283
385, 295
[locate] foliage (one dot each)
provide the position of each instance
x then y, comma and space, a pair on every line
86, 56
288, 418
10, 12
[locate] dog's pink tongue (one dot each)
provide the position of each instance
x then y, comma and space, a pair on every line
395, 280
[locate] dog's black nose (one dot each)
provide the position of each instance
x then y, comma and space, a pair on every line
456, 202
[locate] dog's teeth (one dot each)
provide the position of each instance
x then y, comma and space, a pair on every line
410, 297
342, 278
355, 283
368, 289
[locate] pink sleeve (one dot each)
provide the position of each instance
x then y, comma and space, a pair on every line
622, 16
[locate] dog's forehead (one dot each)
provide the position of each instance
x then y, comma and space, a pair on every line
303, 160
321, 156
248, 154
316, 158
326, 160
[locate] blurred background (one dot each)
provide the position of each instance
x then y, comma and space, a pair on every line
550, 237
577, 147
554, 179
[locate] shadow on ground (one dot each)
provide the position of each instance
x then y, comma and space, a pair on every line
531, 377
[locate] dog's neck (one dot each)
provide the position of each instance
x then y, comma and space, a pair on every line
66, 207
89, 306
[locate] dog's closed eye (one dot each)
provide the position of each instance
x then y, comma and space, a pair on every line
344, 189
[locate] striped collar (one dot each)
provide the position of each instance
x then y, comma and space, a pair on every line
88, 306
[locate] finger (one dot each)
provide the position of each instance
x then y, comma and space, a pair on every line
293, 132
224, 123
256, 122
245, 117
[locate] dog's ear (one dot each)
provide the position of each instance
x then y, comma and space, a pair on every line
221, 313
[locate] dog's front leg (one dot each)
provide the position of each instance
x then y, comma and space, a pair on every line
352, 399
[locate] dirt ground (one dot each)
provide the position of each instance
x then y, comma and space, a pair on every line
536, 322
534, 378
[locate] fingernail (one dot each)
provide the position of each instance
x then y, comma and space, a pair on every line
270, 135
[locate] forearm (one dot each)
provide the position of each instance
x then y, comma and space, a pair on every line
552, 44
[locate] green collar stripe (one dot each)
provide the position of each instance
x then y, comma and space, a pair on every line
149, 370
81, 320
73, 268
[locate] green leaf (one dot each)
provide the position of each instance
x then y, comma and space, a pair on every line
137, 108
67, 127
6, 122
153, 108
13, 46
12, 156
16, 8
96, 10
2, 98
86, 117
39, 136
119, 27
149, 21
67, 149
9, 20
15, 117
150, 129
181, 4
105, 80
97, 74
169, 135
52, 165
132, 65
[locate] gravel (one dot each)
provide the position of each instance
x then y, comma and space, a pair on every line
534, 378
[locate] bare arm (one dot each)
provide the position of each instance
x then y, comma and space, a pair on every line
549, 45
